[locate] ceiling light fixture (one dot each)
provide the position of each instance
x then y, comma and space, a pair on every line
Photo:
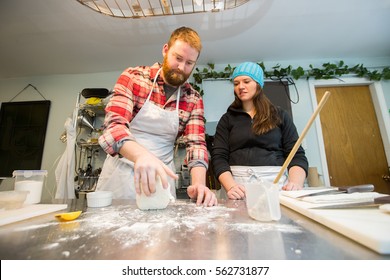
150, 8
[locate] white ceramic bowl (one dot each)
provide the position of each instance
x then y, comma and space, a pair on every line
99, 199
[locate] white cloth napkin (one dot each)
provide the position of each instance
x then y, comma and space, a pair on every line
305, 192
343, 198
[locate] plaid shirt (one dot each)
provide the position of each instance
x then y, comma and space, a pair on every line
130, 94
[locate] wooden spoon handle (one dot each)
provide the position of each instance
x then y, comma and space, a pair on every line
303, 134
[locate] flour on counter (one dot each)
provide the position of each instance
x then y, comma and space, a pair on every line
127, 226
66, 254
33, 227
256, 228
51, 246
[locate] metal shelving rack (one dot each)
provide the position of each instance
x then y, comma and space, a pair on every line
89, 156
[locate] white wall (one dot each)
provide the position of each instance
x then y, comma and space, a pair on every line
386, 90
217, 98
62, 90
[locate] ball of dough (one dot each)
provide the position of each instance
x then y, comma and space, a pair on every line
157, 200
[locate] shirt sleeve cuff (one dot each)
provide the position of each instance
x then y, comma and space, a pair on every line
118, 145
197, 163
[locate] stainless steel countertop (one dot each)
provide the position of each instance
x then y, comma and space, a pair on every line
183, 231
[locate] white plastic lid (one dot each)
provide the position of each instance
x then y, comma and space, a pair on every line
29, 173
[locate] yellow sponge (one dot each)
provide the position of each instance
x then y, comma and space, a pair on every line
93, 100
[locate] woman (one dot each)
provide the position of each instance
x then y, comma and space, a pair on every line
254, 137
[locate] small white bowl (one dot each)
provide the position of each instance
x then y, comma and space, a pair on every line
99, 199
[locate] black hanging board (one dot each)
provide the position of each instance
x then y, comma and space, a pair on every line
279, 95
22, 135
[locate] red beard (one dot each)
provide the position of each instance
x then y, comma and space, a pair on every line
174, 77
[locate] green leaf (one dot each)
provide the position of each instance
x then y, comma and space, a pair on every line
327, 71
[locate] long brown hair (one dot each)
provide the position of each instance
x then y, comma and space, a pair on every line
266, 117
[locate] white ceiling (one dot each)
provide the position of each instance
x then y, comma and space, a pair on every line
44, 37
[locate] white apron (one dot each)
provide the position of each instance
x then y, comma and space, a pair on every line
242, 174
155, 129
247, 174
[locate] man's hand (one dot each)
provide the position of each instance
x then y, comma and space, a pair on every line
146, 168
198, 190
202, 194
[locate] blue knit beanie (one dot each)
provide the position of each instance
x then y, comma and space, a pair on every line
250, 69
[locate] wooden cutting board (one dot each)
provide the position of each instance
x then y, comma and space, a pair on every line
367, 226
28, 211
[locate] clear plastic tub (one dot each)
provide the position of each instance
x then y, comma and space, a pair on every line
262, 201
12, 199
32, 181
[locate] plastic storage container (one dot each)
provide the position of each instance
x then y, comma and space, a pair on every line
12, 199
262, 201
32, 181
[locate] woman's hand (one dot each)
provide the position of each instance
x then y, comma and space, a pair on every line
296, 178
291, 186
236, 192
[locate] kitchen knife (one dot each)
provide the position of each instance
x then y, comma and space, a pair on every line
349, 189
350, 205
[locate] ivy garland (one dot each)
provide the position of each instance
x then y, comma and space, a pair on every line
327, 71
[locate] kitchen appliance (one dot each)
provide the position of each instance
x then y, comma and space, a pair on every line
183, 182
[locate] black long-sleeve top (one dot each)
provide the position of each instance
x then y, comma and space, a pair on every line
236, 144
